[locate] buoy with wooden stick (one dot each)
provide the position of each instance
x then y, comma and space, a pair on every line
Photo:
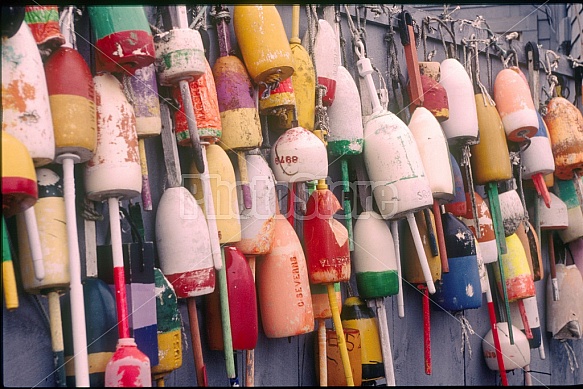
564, 317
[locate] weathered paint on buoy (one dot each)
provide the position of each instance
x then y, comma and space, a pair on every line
375, 262
242, 305
279, 100
412, 271
431, 69
298, 155
334, 364
357, 315
457, 206
460, 288
345, 117
531, 309
565, 316
206, 109
240, 124
515, 356
258, 222
263, 43
567, 192
26, 112
530, 242
99, 321
435, 97
487, 240
555, 217
169, 328
114, 169
512, 211
142, 91
490, 158
52, 228
179, 56
515, 106
123, 38
72, 99
128, 367
576, 253
462, 124
434, 151
19, 187
223, 190
321, 302
325, 240
43, 21
519, 281
538, 157
565, 125
283, 287
187, 263
326, 58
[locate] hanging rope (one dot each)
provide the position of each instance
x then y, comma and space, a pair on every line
572, 356
467, 330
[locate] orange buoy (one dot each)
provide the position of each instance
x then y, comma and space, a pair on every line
334, 368
263, 43
565, 125
515, 106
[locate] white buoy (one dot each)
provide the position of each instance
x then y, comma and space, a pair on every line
565, 316
515, 356
556, 216
26, 113
462, 124
512, 211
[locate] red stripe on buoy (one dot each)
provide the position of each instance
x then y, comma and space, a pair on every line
183, 282
75, 79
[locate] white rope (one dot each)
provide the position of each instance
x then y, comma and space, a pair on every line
572, 356
467, 330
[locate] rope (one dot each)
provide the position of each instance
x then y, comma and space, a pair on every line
572, 356
467, 330
89, 212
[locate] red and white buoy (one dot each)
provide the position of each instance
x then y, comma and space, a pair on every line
487, 240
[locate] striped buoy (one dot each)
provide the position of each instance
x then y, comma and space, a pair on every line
462, 124
531, 309
519, 281
490, 158
487, 240
565, 316
279, 101
566, 191
26, 112
515, 356
357, 315
326, 58
43, 21
515, 106
565, 125
263, 43
124, 42
283, 287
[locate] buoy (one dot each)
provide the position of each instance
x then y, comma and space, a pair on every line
26, 112
375, 263
435, 97
515, 106
567, 192
519, 281
128, 367
357, 315
537, 160
335, 374
565, 316
304, 77
515, 356
565, 125
462, 124
124, 42
12, 18
142, 92
242, 305
576, 252
169, 329
43, 21
101, 340
298, 155
490, 157
530, 242
283, 285
460, 288
326, 58
487, 240
531, 310
50, 214
206, 109
511, 209
263, 43
278, 101
457, 206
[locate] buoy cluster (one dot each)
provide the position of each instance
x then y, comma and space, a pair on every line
446, 219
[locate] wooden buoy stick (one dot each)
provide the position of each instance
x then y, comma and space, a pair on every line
322, 356
553, 269
524, 317
493, 327
385, 341
57, 343
209, 210
34, 240
192, 128
340, 334
226, 320
76, 288
426, 330
8, 277
440, 237
201, 377
395, 233
146, 194
346, 201
421, 252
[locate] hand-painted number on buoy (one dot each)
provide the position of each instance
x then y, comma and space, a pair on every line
286, 159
